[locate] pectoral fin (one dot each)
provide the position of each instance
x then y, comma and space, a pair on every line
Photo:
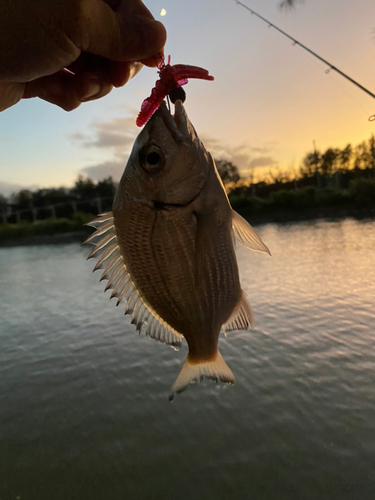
246, 235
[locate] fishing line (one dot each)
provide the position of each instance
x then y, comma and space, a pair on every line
344, 90
296, 42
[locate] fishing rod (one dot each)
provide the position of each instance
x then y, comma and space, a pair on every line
296, 42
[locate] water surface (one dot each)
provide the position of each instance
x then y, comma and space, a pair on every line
84, 411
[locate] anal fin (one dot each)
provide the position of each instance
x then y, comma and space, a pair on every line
241, 318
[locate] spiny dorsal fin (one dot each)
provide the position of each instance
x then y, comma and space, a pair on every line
246, 235
241, 318
119, 280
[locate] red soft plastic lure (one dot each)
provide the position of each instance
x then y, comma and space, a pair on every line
170, 78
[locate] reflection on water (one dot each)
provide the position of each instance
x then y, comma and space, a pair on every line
84, 412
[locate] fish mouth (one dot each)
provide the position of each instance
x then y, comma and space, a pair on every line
177, 124
182, 133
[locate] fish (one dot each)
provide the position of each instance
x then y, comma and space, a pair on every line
167, 248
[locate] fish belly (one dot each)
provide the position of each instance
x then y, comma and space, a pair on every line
159, 249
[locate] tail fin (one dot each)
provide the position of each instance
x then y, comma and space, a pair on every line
193, 372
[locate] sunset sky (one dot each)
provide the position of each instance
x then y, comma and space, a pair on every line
268, 102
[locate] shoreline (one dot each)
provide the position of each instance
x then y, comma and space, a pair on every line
255, 219
45, 239
316, 213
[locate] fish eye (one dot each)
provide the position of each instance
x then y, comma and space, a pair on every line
151, 158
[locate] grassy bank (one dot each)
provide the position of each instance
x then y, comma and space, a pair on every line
309, 202
280, 206
42, 231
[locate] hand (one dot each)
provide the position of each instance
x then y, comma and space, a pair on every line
71, 51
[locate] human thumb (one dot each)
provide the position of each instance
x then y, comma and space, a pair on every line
129, 34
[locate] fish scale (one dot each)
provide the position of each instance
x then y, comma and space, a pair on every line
174, 243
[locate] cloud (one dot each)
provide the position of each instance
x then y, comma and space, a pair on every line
117, 134
7, 138
244, 156
106, 139
77, 136
262, 161
112, 168
7, 189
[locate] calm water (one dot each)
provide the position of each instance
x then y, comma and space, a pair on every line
84, 411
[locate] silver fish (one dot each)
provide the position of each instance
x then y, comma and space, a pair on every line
167, 248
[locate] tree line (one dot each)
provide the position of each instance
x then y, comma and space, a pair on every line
333, 168
85, 196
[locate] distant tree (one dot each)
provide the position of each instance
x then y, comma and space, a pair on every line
328, 161
289, 3
311, 164
51, 196
372, 152
361, 156
277, 176
106, 188
84, 188
344, 157
3, 203
23, 199
227, 171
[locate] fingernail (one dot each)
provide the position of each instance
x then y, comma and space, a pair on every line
93, 89
134, 68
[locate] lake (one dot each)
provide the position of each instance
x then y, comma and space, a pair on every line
84, 410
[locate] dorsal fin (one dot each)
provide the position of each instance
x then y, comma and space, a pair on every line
246, 235
241, 318
119, 280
